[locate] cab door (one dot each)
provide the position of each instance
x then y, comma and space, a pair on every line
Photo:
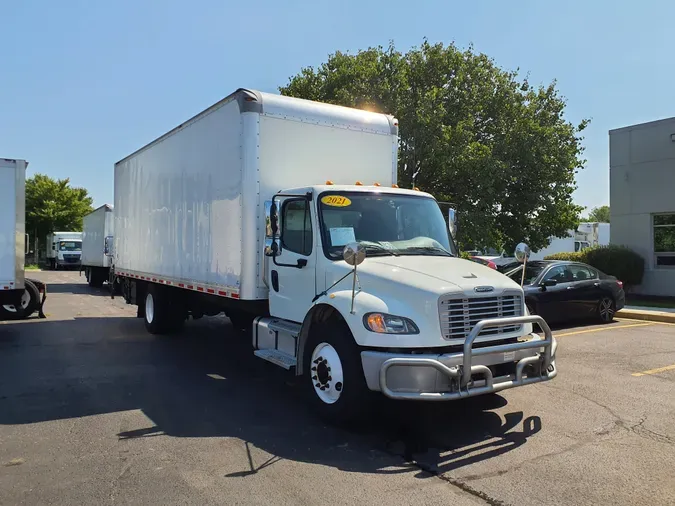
291, 268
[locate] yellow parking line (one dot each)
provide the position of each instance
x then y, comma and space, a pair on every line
600, 329
650, 321
654, 371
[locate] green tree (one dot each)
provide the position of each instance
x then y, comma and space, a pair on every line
471, 133
600, 214
53, 205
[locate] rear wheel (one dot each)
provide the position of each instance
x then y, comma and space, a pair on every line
162, 314
333, 374
606, 309
95, 279
30, 300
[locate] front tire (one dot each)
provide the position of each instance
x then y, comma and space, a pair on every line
333, 375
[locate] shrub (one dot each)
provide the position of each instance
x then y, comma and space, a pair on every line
618, 261
464, 254
566, 256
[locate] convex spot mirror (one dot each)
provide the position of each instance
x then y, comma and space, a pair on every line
354, 253
522, 252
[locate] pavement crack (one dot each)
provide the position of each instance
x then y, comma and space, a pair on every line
461, 484
642, 431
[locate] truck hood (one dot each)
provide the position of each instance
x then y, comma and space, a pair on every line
439, 275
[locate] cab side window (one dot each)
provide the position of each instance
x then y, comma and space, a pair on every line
296, 227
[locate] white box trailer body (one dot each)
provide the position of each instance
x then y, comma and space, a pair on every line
97, 243
20, 297
252, 207
12, 228
64, 249
189, 207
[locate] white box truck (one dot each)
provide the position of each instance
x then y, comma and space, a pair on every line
97, 237
19, 297
64, 250
263, 207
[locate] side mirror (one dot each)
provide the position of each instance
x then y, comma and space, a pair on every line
271, 229
522, 252
274, 218
452, 222
547, 283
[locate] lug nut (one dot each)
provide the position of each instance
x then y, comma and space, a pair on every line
314, 378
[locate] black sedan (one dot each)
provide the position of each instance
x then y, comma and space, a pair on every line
561, 291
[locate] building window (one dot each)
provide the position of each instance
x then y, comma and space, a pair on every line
664, 240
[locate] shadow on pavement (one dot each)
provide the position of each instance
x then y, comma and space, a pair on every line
51, 370
78, 288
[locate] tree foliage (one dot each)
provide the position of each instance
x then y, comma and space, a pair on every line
471, 133
53, 205
600, 214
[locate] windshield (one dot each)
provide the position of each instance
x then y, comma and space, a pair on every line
384, 224
532, 272
70, 246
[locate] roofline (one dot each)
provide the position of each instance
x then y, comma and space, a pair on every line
638, 126
249, 101
109, 206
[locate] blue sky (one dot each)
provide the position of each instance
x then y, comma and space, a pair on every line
83, 83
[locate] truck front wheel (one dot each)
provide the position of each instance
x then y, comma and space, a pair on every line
333, 374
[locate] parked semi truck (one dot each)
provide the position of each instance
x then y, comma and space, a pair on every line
64, 249
97, 237
285, 215
20, 297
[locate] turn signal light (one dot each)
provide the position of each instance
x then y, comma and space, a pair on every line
416, 189
394, 186
329, 182
376, 184
358, 183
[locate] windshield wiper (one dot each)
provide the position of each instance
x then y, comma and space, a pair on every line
426, 250
379, 249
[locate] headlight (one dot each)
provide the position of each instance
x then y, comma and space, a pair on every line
383, 323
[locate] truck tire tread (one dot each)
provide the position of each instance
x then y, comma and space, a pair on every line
356, 399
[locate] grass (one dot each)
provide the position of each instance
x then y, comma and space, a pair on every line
641, 300
32, 267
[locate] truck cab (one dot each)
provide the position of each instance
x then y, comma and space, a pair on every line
367, 293
64, 249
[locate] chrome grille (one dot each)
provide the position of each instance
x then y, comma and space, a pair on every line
458, 316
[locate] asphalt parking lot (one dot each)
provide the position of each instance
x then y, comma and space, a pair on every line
93, 410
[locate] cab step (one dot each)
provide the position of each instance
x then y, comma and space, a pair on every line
277, 357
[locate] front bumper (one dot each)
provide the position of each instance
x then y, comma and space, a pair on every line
474, 371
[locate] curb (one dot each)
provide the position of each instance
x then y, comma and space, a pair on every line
652, 316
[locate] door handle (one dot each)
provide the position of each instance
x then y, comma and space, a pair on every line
596, 284
570, 287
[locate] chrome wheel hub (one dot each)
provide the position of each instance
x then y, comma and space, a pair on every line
326, 373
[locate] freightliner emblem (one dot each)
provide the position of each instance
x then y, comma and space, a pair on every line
483, 289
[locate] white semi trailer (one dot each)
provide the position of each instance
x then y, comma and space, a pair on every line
20, 297
97, 242
264, 207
